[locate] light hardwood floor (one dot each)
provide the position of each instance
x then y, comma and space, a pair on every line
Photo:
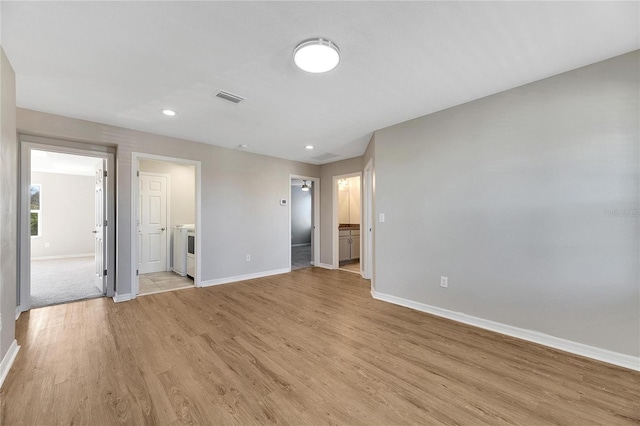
308, 347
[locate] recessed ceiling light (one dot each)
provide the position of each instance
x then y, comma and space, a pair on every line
309, 146
169, 112
316, 55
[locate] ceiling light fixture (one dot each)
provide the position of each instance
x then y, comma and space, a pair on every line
305, 186
317, 55
169, 112
309, 146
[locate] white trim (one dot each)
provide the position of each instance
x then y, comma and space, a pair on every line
135, 158
66, 256
366, 238
334, 235
244, 277
576, 348
7, 361
325, 266
117, 298
315, 205
27, 143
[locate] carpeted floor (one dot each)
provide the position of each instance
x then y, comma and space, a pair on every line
55, 281
300, 257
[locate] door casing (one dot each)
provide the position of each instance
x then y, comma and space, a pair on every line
28, 143
315, 207
335, 234
135, 162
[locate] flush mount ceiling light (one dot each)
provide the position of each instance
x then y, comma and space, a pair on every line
317, 55
305, 186
309, 146
169, 112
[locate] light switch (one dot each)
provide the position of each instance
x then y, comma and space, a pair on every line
381, 217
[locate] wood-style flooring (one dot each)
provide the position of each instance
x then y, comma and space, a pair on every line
305, 348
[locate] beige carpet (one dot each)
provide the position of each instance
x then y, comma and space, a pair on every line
55, 281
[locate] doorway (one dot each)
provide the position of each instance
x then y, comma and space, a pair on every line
65, 215
165, 207
367, 223
346, 220
304, 217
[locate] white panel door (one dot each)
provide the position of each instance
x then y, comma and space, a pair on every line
100, 241
152, 225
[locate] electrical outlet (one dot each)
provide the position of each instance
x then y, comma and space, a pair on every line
381, 217
47, 245
444, 282
248, 258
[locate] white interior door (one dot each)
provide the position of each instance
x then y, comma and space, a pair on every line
152, 226
100, 241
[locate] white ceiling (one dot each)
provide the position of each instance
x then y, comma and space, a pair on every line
120, 63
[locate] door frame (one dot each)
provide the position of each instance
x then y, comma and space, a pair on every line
167, 216
135, 165
315, 206
335, 233
366, 263
28, 143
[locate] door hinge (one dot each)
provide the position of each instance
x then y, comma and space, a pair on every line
105, 273
138, 173
137, 272
105, 222
105, 173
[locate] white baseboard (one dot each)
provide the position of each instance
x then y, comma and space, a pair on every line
325, 266
599, 354
7, 361
66, 256
117, 298
237, 278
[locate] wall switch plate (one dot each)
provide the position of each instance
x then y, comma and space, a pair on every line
444, 282
283, 201
381, 217
248, 258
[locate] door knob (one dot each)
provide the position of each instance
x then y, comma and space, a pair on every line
161, 229
94, 232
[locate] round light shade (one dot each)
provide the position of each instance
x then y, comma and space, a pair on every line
316, 56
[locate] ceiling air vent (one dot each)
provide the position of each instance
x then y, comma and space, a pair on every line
229, 97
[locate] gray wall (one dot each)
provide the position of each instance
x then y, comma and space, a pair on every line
8, 204
327, 172
182, 190
527, 200
300, 215
67, 204
241, 213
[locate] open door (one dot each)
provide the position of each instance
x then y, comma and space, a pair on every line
100, 241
